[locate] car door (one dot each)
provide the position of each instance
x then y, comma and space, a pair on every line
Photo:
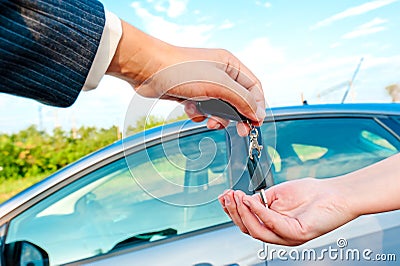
155, 204
324, 146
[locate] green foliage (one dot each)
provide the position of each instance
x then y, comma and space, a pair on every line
32, 153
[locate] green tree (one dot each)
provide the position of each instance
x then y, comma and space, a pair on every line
31, 152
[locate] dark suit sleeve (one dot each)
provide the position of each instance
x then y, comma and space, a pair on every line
47, 47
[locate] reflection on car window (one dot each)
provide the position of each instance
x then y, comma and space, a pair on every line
275, 158
377, 140
308, 152
108, 208
328, 147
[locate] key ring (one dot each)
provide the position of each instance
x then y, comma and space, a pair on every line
253, 134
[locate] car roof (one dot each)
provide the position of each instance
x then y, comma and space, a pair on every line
185, 126
353, 108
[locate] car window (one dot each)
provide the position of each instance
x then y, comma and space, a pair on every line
327, 147
116, 205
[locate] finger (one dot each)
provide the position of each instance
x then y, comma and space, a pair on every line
215, 122
260, 101
285, 227
257, 197
270, 194
243, 129
221, 200
230, 206
241, 74
192, 112
201, 80
253, 225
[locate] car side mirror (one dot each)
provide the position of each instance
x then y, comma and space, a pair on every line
25, 253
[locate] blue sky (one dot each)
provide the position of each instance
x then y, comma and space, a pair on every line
294, 47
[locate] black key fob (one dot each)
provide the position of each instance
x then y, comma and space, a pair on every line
258, 166
221, 109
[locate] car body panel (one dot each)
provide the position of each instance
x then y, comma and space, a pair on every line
226, 237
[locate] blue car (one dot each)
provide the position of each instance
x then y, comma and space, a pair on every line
151, 199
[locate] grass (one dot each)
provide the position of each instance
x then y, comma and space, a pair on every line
9, 188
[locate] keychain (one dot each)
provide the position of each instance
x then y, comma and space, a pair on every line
253, 136
225, 110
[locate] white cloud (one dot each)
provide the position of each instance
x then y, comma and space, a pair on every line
353, 11
324, 65
159, 7
266, 61
368, 28
374, 22
183, 35
285, 83
362, 32
335, 44
284, 78
176, 8
266, 4
260, 53
227, 24
173, 8
104, 106
377, 61
203, 19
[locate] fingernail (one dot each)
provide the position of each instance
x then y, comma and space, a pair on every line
227, 200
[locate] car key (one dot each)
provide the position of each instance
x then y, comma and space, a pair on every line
257, 176
227, 111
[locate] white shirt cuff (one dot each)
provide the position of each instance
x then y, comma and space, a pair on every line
108, 45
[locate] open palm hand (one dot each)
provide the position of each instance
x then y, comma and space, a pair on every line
297, 211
